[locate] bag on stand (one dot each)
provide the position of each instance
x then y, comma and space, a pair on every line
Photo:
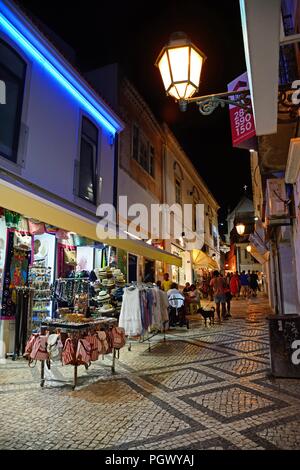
118, 337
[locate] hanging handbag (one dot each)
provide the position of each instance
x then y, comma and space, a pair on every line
62, 234
118, 337
54, 347
83, 353
70, 256
39, 349
36, 227
68, 354
103, 345
94, 344
22, 242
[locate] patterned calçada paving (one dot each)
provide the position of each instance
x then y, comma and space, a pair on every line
203, 388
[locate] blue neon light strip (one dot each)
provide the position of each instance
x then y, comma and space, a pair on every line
62, 75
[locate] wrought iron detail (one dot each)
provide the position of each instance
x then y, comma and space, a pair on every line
207, 104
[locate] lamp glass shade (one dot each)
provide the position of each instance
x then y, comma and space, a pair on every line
240, 228
165, 70
195, 67
180, 64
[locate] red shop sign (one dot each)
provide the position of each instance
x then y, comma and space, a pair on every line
242, 122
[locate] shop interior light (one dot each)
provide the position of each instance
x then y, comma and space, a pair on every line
37, 51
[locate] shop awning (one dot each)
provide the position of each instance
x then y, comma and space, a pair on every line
202, 260
17, 199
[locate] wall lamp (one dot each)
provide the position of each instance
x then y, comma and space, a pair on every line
180, 64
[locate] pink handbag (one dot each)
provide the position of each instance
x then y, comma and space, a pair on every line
29, 345
39, 349
103, 346
118, 337
36, 228
83, 353
93, 341
62, 234
68, 354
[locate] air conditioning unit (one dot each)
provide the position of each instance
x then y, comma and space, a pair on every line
276, 199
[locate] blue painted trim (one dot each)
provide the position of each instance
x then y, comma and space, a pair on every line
32, 46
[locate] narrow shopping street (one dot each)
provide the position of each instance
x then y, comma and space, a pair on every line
204, 388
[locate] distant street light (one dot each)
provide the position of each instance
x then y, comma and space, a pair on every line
240, 228
180, 64
249, 248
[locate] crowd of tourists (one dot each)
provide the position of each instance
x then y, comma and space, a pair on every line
214, 287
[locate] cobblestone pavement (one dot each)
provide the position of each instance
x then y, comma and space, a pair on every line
202, 388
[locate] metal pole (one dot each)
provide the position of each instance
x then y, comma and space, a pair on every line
42, 373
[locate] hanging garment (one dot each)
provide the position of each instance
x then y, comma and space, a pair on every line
164, 306
130, 316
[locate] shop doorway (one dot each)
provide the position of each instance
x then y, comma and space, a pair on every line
132, 268
149, 272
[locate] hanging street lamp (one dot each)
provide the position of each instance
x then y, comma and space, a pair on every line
240, 228
180, 65
249, 248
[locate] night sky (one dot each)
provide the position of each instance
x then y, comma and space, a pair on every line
103, 32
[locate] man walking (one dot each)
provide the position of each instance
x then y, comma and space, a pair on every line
244, 285
218, 284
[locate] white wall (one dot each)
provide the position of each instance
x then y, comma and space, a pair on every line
296, 233
50, 137
187, 185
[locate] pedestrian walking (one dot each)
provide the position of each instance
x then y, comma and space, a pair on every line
218, 285
254, 283
228, 296
235, 285
244, 292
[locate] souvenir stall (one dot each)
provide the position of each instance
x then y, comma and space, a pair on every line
47, 273
74, 343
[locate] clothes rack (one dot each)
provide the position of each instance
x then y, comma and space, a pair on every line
23, 320
143, 313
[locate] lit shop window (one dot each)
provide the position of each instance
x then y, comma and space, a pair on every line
12, 75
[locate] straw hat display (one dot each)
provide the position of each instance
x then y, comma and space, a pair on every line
107, 308
103, 295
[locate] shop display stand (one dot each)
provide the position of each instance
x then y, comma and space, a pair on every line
144, 339
79, 327
40, 281
75, 308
